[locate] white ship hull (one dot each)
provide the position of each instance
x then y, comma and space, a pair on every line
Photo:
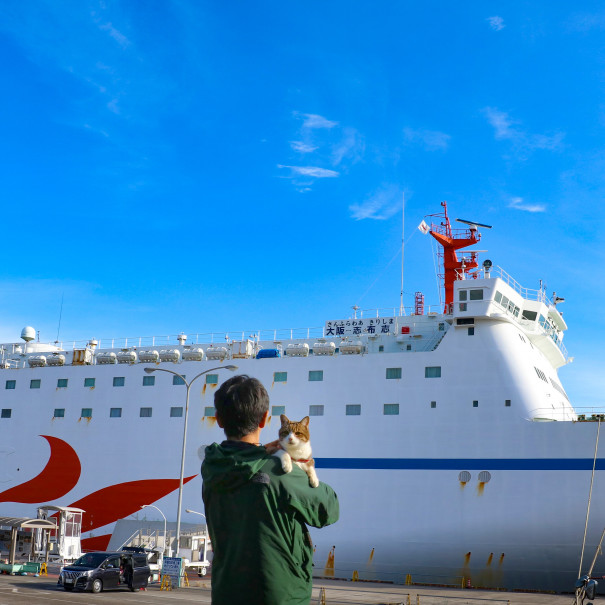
483, 473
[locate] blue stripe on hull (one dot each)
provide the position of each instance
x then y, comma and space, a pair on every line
483, 464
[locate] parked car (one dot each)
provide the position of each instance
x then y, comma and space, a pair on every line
97, 571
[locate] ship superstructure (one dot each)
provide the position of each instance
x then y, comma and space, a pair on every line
445, 431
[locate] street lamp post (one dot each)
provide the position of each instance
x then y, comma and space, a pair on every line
194, 512
163, 515
182, 474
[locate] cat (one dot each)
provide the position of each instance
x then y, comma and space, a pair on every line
294, 446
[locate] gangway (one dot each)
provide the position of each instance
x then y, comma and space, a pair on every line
65, 544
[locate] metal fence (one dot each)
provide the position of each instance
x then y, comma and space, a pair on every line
391, 596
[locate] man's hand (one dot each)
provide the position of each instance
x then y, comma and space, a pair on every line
272, 446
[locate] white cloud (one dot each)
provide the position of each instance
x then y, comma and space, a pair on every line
508, 129
302, 147
380, 205
120, 38
311, 171
518, 204
350, 147
432, 140
496, 23
313, 120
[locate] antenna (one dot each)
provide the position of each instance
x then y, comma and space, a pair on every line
402, 241
473, 223
60, 316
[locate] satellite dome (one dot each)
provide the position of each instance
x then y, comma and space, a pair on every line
28, 334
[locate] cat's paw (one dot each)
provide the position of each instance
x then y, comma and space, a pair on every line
286, 463
314, 481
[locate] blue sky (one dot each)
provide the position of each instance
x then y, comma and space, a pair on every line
210, 166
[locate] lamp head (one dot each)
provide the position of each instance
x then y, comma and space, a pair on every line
149, 370
231, 367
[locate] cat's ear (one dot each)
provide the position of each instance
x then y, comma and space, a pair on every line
284, 419
305, 421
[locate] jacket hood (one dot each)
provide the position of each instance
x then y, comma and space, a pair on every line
226, 467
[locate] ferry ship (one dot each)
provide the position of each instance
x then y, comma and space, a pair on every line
446, 432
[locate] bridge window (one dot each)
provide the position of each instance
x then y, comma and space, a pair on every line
353, 409
115, 413
89, 382
278, 410
35, 383
211, 378
177, 380
316, 375
118, 381
462, 294
316, 410
59, 413
391, 409
10, 384
393, 373
148, 381
62, 383
145, 412
476, 294
177, 412
6, 413
529, 315
86, 413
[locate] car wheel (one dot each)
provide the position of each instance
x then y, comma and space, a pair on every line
133, 589
68, 588
97, 585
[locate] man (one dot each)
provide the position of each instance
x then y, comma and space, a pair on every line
257, 515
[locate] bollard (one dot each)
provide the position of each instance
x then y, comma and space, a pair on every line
355, 577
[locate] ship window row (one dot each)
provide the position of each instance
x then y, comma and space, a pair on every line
119, 381
507, 304
352, 409
212, 379
559, 388
470, 295
541, 375
144, 412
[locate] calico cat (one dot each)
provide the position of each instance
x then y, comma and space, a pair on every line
295, 447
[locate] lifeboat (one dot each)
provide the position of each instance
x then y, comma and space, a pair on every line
127, 357
324, 348
216, 353
150, 356
195, 354
36, 361
348, 347
56, 360
173, 355
106, 357
298, 350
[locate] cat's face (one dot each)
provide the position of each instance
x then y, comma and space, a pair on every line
293, 433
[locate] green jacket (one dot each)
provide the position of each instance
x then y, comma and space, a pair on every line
257, 517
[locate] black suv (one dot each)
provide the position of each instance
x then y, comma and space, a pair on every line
97, 571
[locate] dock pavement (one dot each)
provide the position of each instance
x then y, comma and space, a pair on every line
31, 590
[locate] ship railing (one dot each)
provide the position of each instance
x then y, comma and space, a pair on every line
394, 311
208, 338
579, 414
221, 338
527, 293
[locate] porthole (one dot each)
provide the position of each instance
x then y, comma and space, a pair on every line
484, 476
464, 477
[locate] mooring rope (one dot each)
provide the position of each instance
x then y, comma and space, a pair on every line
594, 464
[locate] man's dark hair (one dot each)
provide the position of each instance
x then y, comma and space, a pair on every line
241, 403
